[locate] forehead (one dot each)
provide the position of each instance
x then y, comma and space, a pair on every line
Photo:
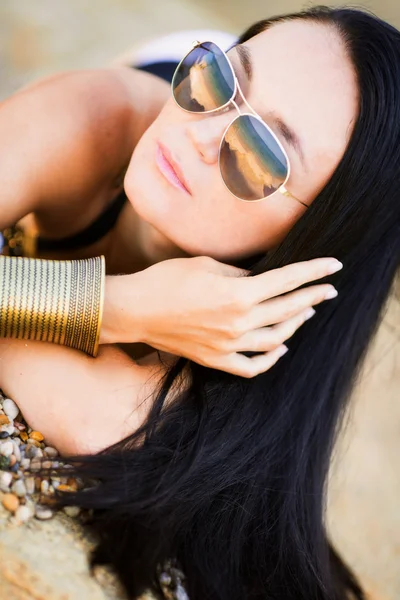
301, 72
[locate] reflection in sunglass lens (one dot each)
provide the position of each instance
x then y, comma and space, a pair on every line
204, 80
252, 162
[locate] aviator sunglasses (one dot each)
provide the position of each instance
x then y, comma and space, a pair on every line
253, 163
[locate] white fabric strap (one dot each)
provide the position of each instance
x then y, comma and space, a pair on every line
173, 47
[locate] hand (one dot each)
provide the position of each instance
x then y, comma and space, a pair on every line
209, 312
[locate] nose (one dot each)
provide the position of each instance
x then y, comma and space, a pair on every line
205, 133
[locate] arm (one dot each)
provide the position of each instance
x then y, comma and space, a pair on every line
79, 404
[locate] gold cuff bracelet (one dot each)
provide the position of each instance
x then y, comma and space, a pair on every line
53, 301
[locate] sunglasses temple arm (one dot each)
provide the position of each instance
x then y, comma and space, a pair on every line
244, 99
285, 192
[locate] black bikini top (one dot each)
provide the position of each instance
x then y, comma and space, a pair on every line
91, 234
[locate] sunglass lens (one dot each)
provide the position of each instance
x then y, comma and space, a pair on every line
204, 80
251, 160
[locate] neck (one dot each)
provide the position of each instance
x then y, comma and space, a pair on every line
155, 246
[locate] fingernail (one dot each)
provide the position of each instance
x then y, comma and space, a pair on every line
282, 350
335, 266
332, 293
310, 312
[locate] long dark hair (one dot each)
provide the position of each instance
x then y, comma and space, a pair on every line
229, 478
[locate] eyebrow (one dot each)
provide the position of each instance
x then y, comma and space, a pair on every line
245, 60
286, 131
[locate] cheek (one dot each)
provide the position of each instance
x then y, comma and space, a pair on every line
225, 232
142, 183
250, 230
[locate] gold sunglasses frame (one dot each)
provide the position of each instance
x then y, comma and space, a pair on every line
282, 188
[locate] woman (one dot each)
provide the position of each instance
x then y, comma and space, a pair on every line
226, 474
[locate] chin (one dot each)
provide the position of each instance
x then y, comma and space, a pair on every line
152, 205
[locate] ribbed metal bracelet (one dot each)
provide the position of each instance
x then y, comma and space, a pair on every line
53, 301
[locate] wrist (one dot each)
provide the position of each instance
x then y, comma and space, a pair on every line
60, 302
121, 312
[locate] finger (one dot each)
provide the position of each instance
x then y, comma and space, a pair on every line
280, 281
237, 364
266, 339
283, 308
221, 268
230, 271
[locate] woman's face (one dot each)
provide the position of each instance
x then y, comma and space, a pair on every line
302, 78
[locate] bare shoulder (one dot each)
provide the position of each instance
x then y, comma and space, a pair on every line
146, 94
91, 121
80, 404
66, 138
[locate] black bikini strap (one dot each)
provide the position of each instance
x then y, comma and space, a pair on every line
91, 234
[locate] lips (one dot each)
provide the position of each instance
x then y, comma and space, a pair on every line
170, 168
